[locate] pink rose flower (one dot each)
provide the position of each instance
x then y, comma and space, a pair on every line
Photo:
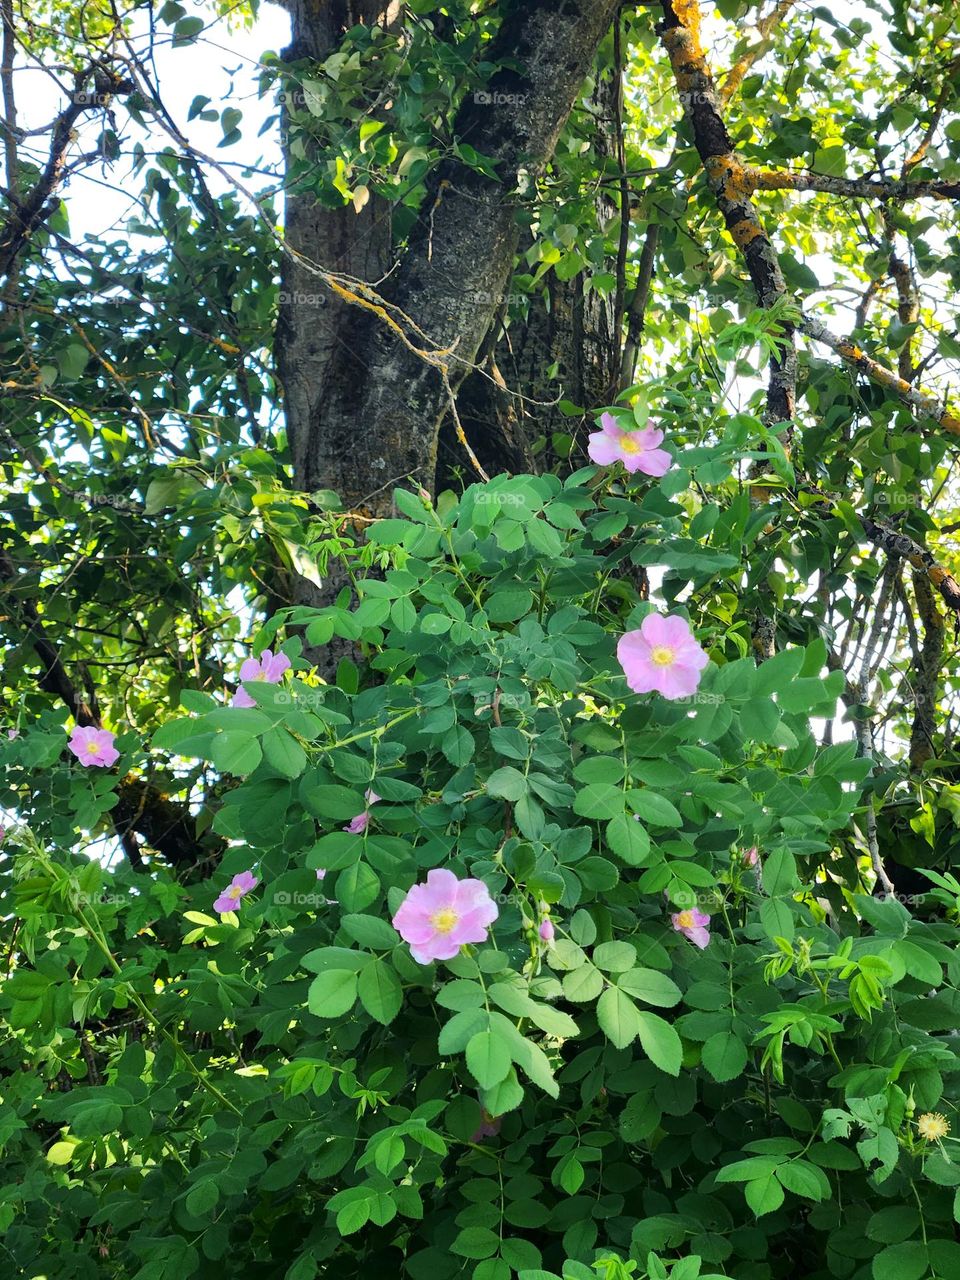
13, 733
321, 872
662, 656
751, 856
694, 925
489, 1126
269, 667
546, 930
357, 825
637, 450
238, 888
438, 917
93, 746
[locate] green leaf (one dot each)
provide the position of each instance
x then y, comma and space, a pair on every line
628, 839
370, 931
764, 1195
619, 1017
650, 986
488, 1059
507, 783
505, 1096
379, 989
660, 1042
475, 1242
282, 751
332, 993
599, 800
614, 957
235, 752
804, 1179
907, 1261
780, 872
202, 1198
725, 1056
654, 809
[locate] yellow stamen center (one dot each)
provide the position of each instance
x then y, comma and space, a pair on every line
92, 748
933, 1126
445, 920
685, 920
628, 444
234, 891
662, 655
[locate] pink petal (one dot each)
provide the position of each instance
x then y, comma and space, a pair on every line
677, 682
656, 630
609, 425
442, 887
251, 670
700, 937
675, 631
602, 450
633, 654
649, 437
652, 462
242, 699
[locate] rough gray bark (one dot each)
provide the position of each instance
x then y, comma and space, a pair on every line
362, 409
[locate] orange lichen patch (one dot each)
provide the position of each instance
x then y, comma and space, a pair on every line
771, 180
688, 13
745, 232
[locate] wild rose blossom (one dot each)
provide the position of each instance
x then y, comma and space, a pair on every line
93, 746
238, 888
546, 930
662, 656
637, 450
269, 667
438, 917
358, 824
751, 856
13, 733
321, 872
489, 1126
694, 925
932, 1126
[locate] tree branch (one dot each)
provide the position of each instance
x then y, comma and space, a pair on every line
726, 177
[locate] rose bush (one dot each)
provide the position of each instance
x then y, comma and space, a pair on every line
506, 968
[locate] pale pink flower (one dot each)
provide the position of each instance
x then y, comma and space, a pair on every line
694, 925
93, 746
357, 825
662, 656
238, 888
13, 733
438, 917
321, 872
546, 930
637, 450
751, 856
268, 667
489, 1126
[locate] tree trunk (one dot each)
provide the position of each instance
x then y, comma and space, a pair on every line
363, 407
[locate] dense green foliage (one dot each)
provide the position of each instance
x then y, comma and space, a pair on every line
286, 1089
282, 1091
